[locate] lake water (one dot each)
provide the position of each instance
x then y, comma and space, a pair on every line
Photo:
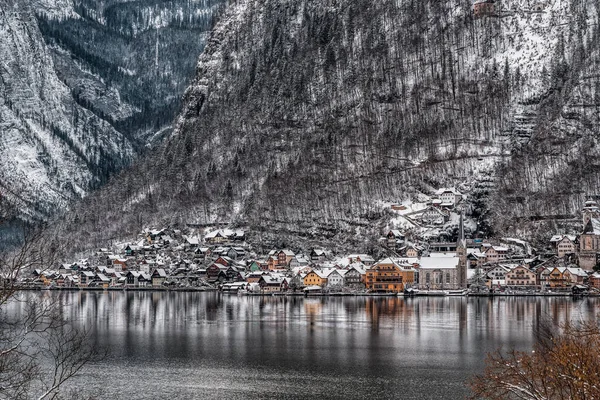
166, 345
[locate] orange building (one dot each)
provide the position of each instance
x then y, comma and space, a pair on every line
387, 276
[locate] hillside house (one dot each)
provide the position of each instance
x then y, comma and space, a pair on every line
595, 280
335, 279
355, 276
449, 197
495, 254
284, 257
498, 273
271, 284
394, 239
412, 252
521, 276
318, 255
86, 277
483, 8
119, 264
215, 237
567, 245
254, 277
361, 258
434, 216
216, 272
158, 277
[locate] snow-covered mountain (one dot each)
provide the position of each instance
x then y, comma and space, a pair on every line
305, 116
85, 86
51, 149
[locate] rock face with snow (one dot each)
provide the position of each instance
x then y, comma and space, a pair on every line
51, 149
309, 114
85, 86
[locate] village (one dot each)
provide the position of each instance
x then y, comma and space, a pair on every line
222, 259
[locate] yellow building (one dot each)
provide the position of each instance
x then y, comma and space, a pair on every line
387, 276
315, 278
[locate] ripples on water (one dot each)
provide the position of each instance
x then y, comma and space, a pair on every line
209, 345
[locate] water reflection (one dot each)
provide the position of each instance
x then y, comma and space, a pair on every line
207, 345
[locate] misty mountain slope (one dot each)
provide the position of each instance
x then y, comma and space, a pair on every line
51, 149
306, 116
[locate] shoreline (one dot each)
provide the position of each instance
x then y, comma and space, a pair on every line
279, 294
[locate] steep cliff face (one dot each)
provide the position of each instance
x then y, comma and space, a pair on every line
85, 87
51, 149
306, 116
128, 61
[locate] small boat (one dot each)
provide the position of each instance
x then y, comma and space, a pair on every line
409, 292
458, 292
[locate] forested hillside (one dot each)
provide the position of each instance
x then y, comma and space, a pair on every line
306, 116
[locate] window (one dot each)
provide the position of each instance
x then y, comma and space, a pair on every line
448, 277
427, 277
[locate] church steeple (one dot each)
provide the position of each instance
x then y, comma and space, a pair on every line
590, 210
461, 252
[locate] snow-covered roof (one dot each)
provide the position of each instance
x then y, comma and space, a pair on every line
441, 191
161, 272
558, 238
192, 240
440, 254
362, 257
387, 261
439, 262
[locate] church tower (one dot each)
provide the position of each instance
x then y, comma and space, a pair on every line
590, 210
461, 252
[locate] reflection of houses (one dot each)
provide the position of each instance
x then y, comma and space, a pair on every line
439, 273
